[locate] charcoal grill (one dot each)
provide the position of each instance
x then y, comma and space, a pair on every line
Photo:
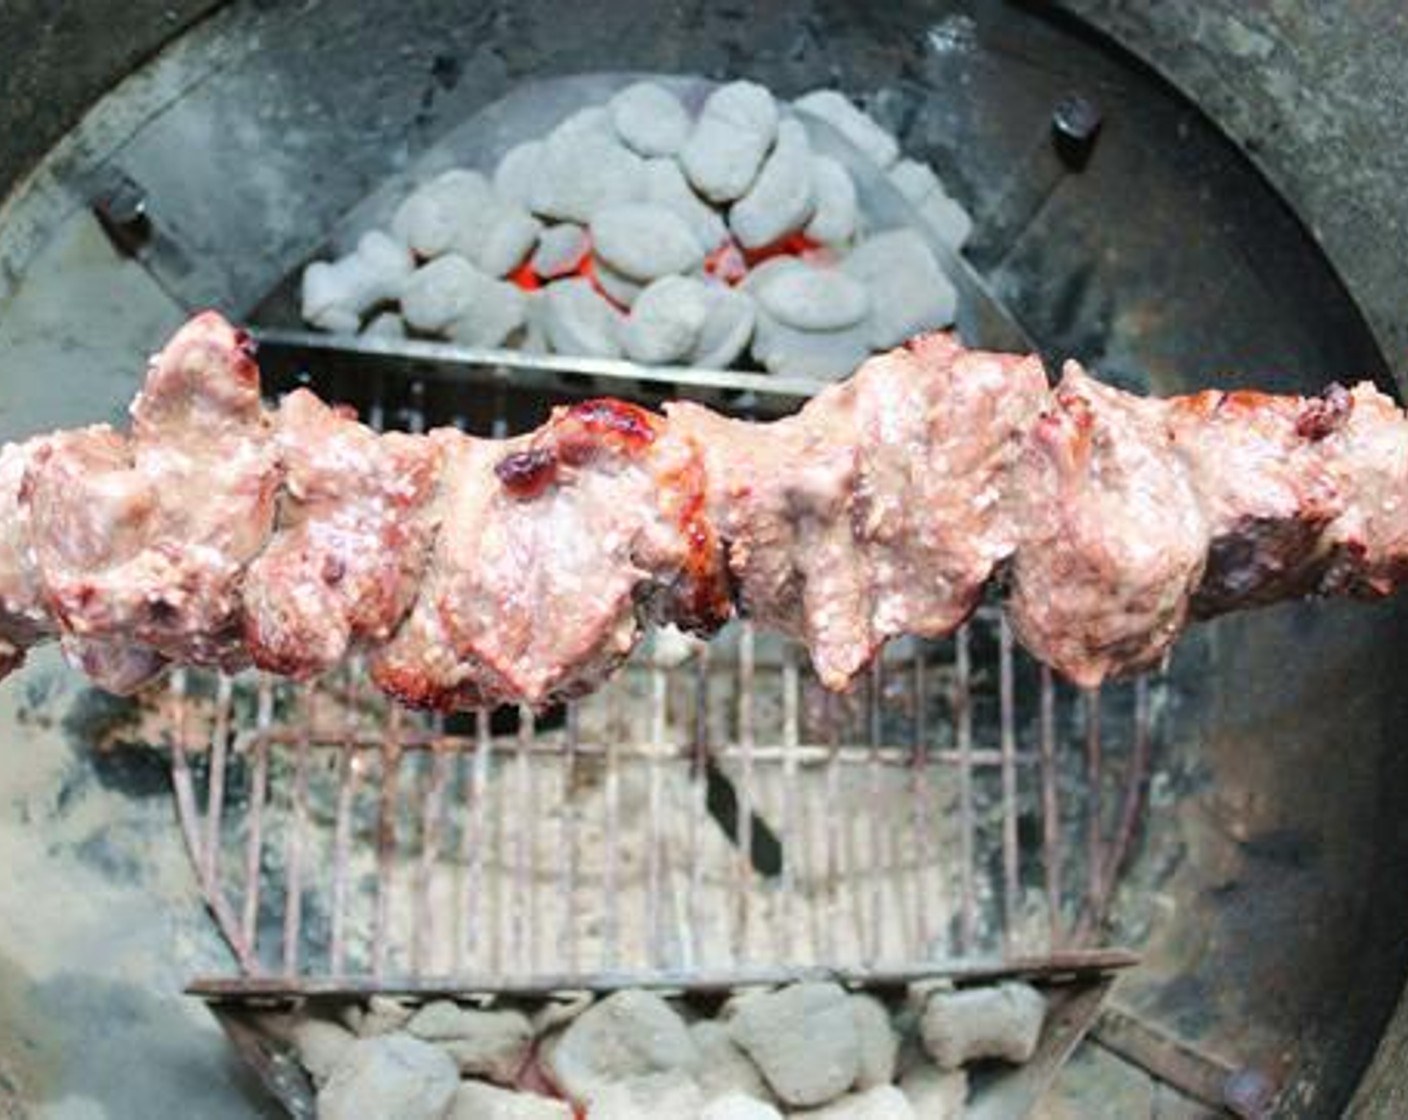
1253, 870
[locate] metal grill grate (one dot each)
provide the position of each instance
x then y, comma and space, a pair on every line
713, 817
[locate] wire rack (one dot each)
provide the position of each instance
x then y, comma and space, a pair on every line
712, 812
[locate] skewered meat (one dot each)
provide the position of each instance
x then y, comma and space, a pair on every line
477, 572
1113, 539
897, 473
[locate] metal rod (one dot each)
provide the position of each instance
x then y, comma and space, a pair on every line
743, 861
1094, 834
922, 816
293, 907
653, 927
1008, 732
963, 736
807, 754
475, 841
258, 792
832, 823
215, 792
567, 937
189, 816
432, 829
611, 920
1074, 964
698, 807
524, 924
348, 778
797, 842
1050, 808
875, 880
1131, 810
386, 841
349, 770
527, 369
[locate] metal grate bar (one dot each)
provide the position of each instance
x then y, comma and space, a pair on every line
258, 793
386, 842
1094, 763
348, 779
961, 704
293, 905
1008, 732
1050, 807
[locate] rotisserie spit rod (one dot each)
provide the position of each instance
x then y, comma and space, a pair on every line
475, 572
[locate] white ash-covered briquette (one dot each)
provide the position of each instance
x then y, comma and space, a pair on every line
476, 1101
803, 1039
833, 220
665, 185
731, 138
727, 329
627, 1036
666, 320
392, 1075
782, 197
336, 295
438, 293
855, 125
497, 312
909, 294
426, 220
1002, 1022
649, 119
516, 176
820, 355
460, 212
581, 170
561, 250
577, 319
618, 288
813, 299
385, 324
451, 298
739, 1106
645, 241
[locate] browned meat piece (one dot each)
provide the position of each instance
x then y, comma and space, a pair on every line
877, 510
1368, 455
344, 566
551, 550
1266, 490
145, 540
477, 572
1113, 537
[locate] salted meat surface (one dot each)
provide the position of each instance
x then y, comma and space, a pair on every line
344, 564
145, 539
553, 550
1113, 535
877, 510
